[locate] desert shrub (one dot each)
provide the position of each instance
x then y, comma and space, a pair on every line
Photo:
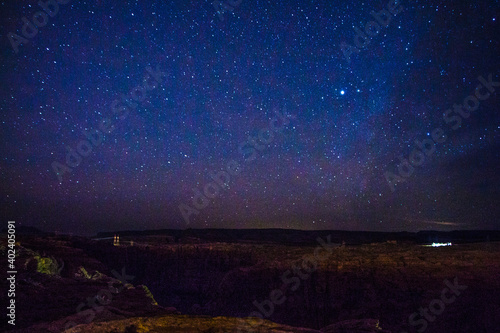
47, 265
83, 272
149, 294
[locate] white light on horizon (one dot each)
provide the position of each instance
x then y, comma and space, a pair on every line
441, 244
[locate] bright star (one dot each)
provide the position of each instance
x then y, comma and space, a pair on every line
342, 92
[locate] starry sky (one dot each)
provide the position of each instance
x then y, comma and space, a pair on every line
308, 123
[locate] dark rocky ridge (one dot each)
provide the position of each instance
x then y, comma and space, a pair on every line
385, 281
308, 237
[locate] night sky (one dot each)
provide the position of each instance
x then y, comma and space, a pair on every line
114, 114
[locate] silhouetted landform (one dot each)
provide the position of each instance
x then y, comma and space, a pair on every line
218, 280
26, 230
307, 237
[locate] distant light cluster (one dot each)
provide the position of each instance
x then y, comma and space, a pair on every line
441, 244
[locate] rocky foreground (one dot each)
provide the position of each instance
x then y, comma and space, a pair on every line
72, 284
